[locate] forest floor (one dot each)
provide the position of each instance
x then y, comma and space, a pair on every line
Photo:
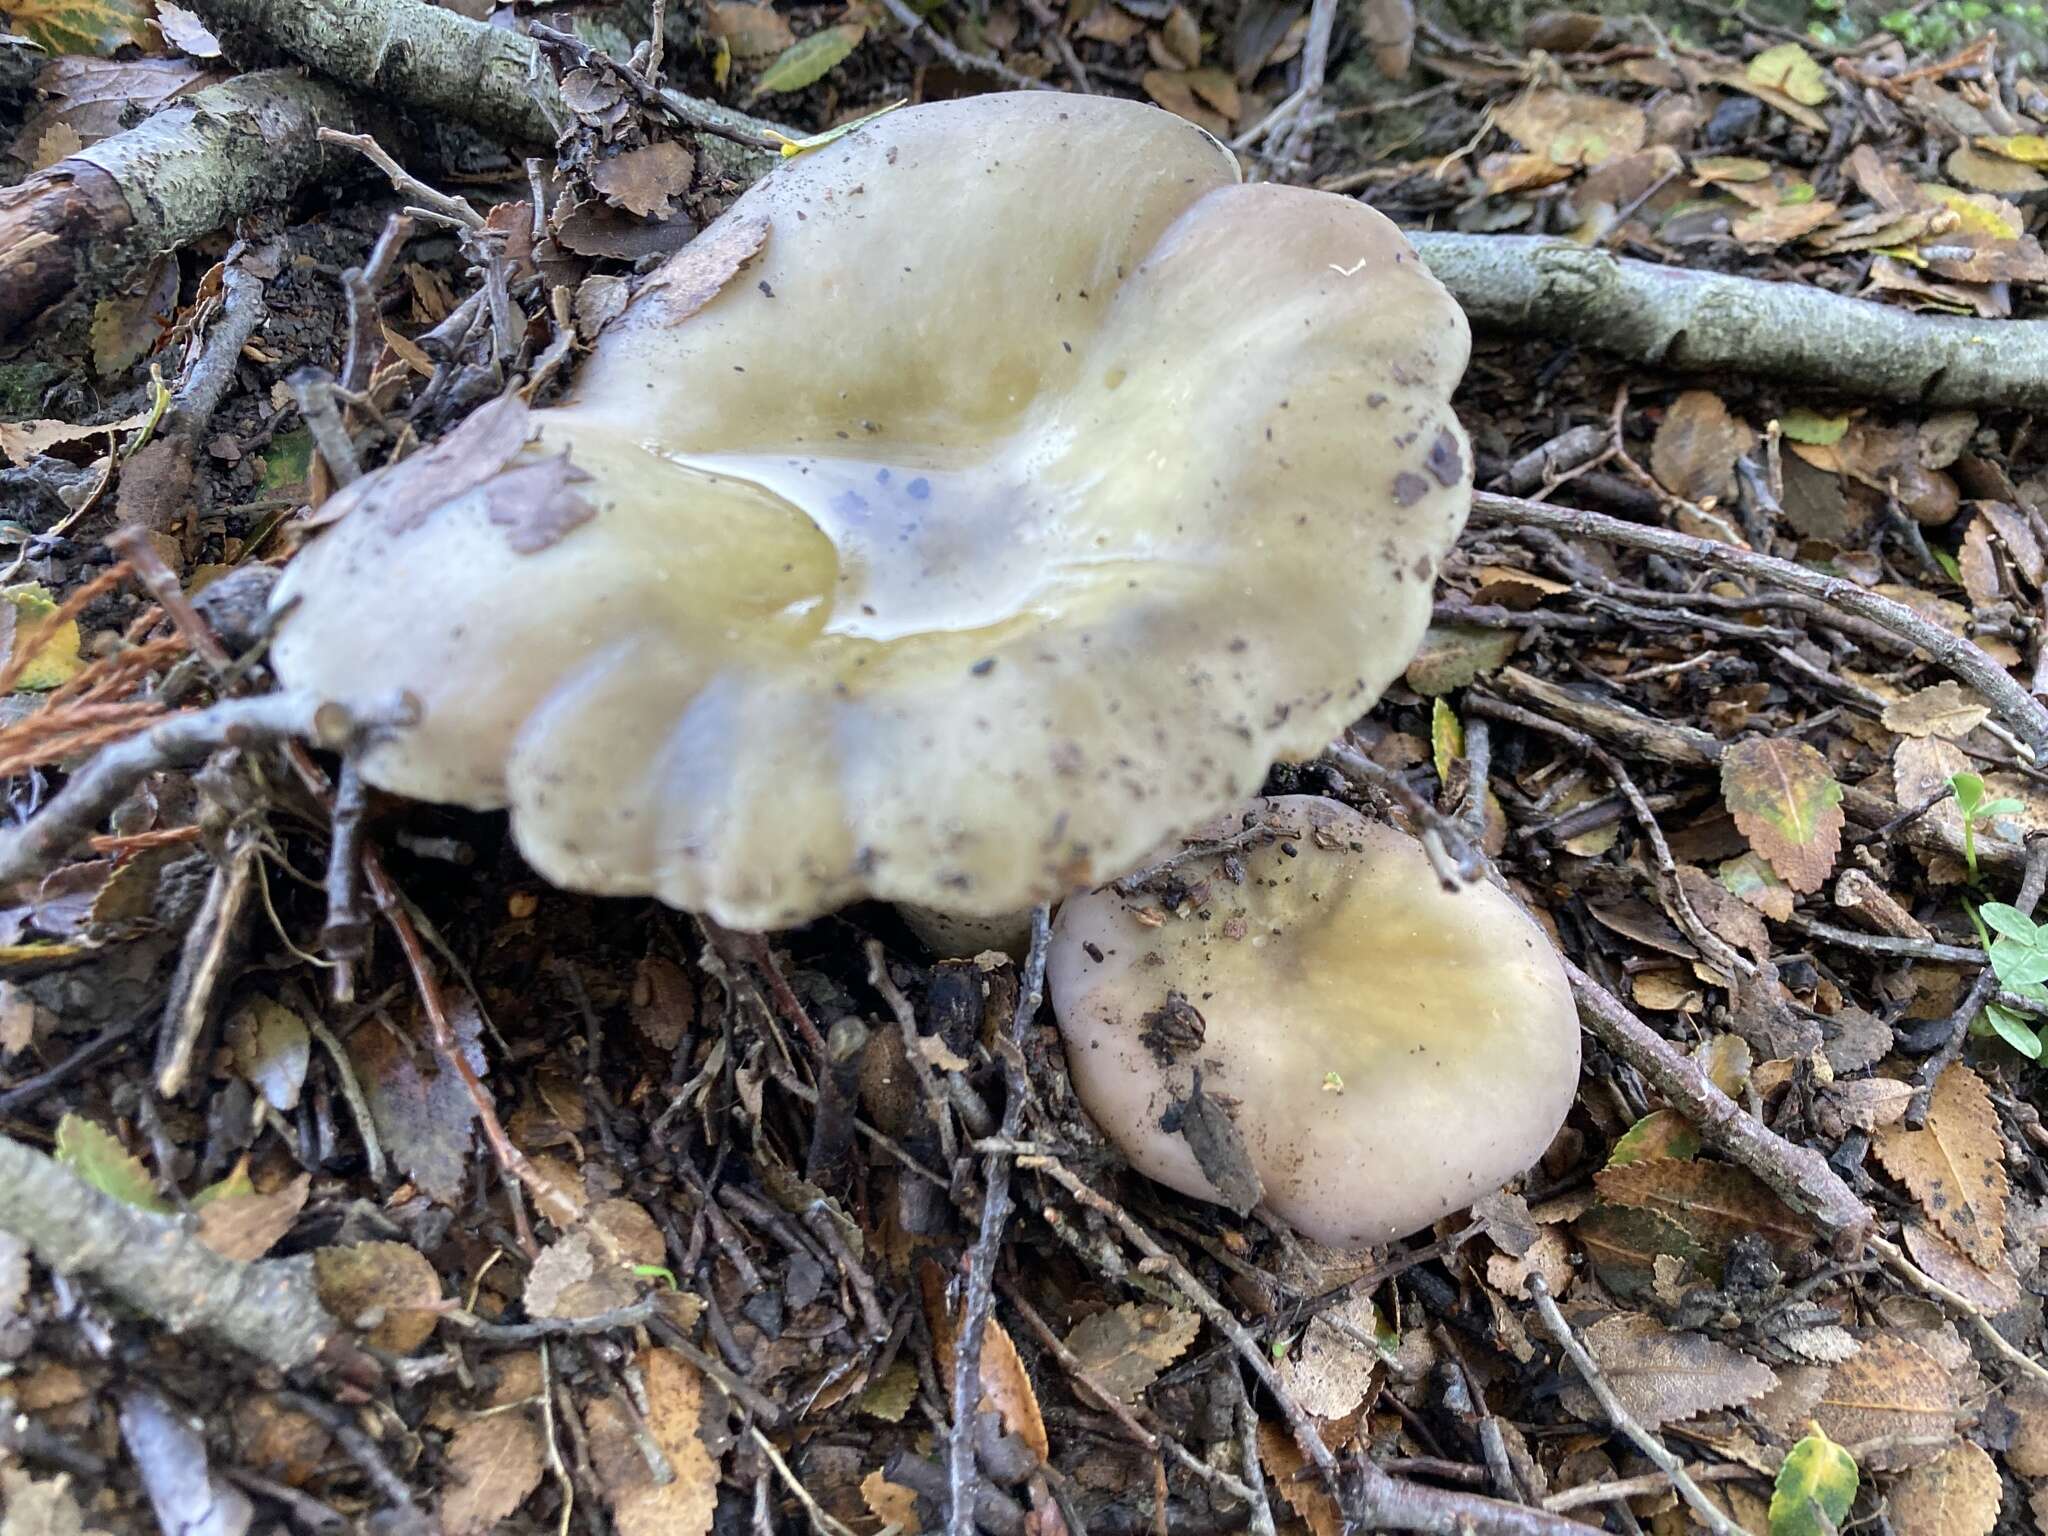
492, 1206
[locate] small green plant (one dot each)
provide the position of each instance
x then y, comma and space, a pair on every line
2019, 959
1977, 811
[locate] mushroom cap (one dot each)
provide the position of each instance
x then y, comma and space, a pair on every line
1445, 1017
1030, 493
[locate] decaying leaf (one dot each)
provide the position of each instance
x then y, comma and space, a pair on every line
1943, 710
1451, 656
1625, 1242
1791, 69
388, 1287
537, 503
1956, 1494
50, 643
1890, 1391
644, 180
891, 1503
1005, 1385
1715, 1202
246, 1226
1787, 802
1662, 1133
691, 279
491, 1465
1996, 1289
186, 32
1306, 1496
272, 1049
459, 462
1955, 1165
682, 1506
1125, 1348
752, 31
422, 1108
1573, 128
1661, 1376
96, 27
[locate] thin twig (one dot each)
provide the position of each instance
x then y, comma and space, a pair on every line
1315, 64
1619, 1416
2025, 714
450, 210
981, 1261
1986, 1330
954, 54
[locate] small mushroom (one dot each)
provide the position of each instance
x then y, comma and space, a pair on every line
1318, 1028
1016, 490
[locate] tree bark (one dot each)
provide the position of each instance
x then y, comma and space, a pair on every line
193, 167
1705, 322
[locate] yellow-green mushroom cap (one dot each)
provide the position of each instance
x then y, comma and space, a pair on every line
1385, 1051
1027, 493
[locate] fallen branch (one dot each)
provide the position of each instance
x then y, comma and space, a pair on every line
1799, 1174
195, 166
158, 1265
1708, 322
425, 56
2024, 714
34, 846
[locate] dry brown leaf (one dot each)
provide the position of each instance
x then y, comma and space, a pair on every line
1869, 1102
1955, 1166
891, 1503
1786, 801
1172, 89
2016, 533
643, 181
1625, 1243
1005, 1386
1126, 1348
1943, 710
491, 1465
1694, 452
186, 32
1573, 128
664, 1002
1978, 565
675, 1405
422, 1110
1326, 1371
21, 441
1890, 1391
1956, 1494
391, 1283
537, 504
1996, 1289
279, 1440
1714, 1202
750, 31
1661, 1376
698, 273
2027, 1451
1305, 1495
245, 1227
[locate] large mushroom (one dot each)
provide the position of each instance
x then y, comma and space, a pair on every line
1319, 1028
1032, 489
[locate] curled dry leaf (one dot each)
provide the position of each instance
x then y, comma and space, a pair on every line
1891, 1394
1125, 1348
1956, 1494
1996, 1289
1788, 804
1661, 1376
389, 1286
1955, 1165
1305, 1495
492, 1464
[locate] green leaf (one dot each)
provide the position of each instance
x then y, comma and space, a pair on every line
1791, 69
2010, 921
1661, 1133
809, 59
1804, 426
96, 1156
1446, 738
1995, 808
2013, 1030
1787, 802
234, 1184
94, 27
1947, 562
1815, 1488
2018, 963
1969, 788
657, 1272
793, 147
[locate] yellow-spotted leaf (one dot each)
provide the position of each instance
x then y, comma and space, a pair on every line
1815, 1488
95, 27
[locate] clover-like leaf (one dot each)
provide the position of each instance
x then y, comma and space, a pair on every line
1969, 788
2010, 921
2013, 1030
2018, 962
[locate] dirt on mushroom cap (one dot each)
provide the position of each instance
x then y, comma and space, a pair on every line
1388, 1051
957, 569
